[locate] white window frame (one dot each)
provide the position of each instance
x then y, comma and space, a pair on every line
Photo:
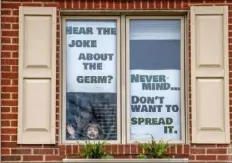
128, 83
63, 58
123, 78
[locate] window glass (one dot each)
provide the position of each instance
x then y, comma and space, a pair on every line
91, 96
155, 79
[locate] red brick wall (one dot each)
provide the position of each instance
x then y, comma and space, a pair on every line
9, 71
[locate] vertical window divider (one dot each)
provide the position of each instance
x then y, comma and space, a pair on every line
123, 80
127, 43
182, 84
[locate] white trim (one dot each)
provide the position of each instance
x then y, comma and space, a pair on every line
183, 107
127, 160
123, 77
123, 84
63, 108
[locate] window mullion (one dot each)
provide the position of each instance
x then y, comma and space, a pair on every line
123, 80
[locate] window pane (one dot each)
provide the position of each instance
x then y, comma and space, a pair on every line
155, 79
91, 98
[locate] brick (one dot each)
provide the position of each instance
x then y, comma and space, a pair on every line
130, 4
15, 55
89, 4
9, 33
5, 123
10, 19
21, 151
5, 109
14, 96
120, 149
11, 158
114, 148
15, 40
76, 4
52, 158
127, 149
6, 55
108, 149
31, 4
9, 75
216, 151
5, 151
5, 96
223, 157
9, 116
15, 26
151, 4
68, 149
9, 89
206, 157
15, 82
14, 68
14, 138
123, 4
5, 40
75, 149
5, 26
186, 149
6, 12
9, 144
104, 4
13, 123
14, 109
51, 5
165, 4
137, 4
197, 150
15, 12
69, 4
62, 150
5, 69
9, 62
97, 4
45, 151
10, 5
179, 149
133, 149
158, 4
144, 4
9, 47
5, 137
9, 130
32, 158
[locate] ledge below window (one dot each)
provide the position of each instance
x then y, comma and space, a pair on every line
126, 160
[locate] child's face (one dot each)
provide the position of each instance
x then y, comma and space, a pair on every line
92, 132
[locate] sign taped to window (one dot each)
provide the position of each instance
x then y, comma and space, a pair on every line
91, 96
155, 80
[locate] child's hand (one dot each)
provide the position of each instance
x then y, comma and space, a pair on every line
71, 131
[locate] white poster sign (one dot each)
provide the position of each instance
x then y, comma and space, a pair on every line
155, 104
91, 56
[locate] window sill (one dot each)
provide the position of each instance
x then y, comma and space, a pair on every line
126, 160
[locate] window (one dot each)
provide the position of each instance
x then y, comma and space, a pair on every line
123, 79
